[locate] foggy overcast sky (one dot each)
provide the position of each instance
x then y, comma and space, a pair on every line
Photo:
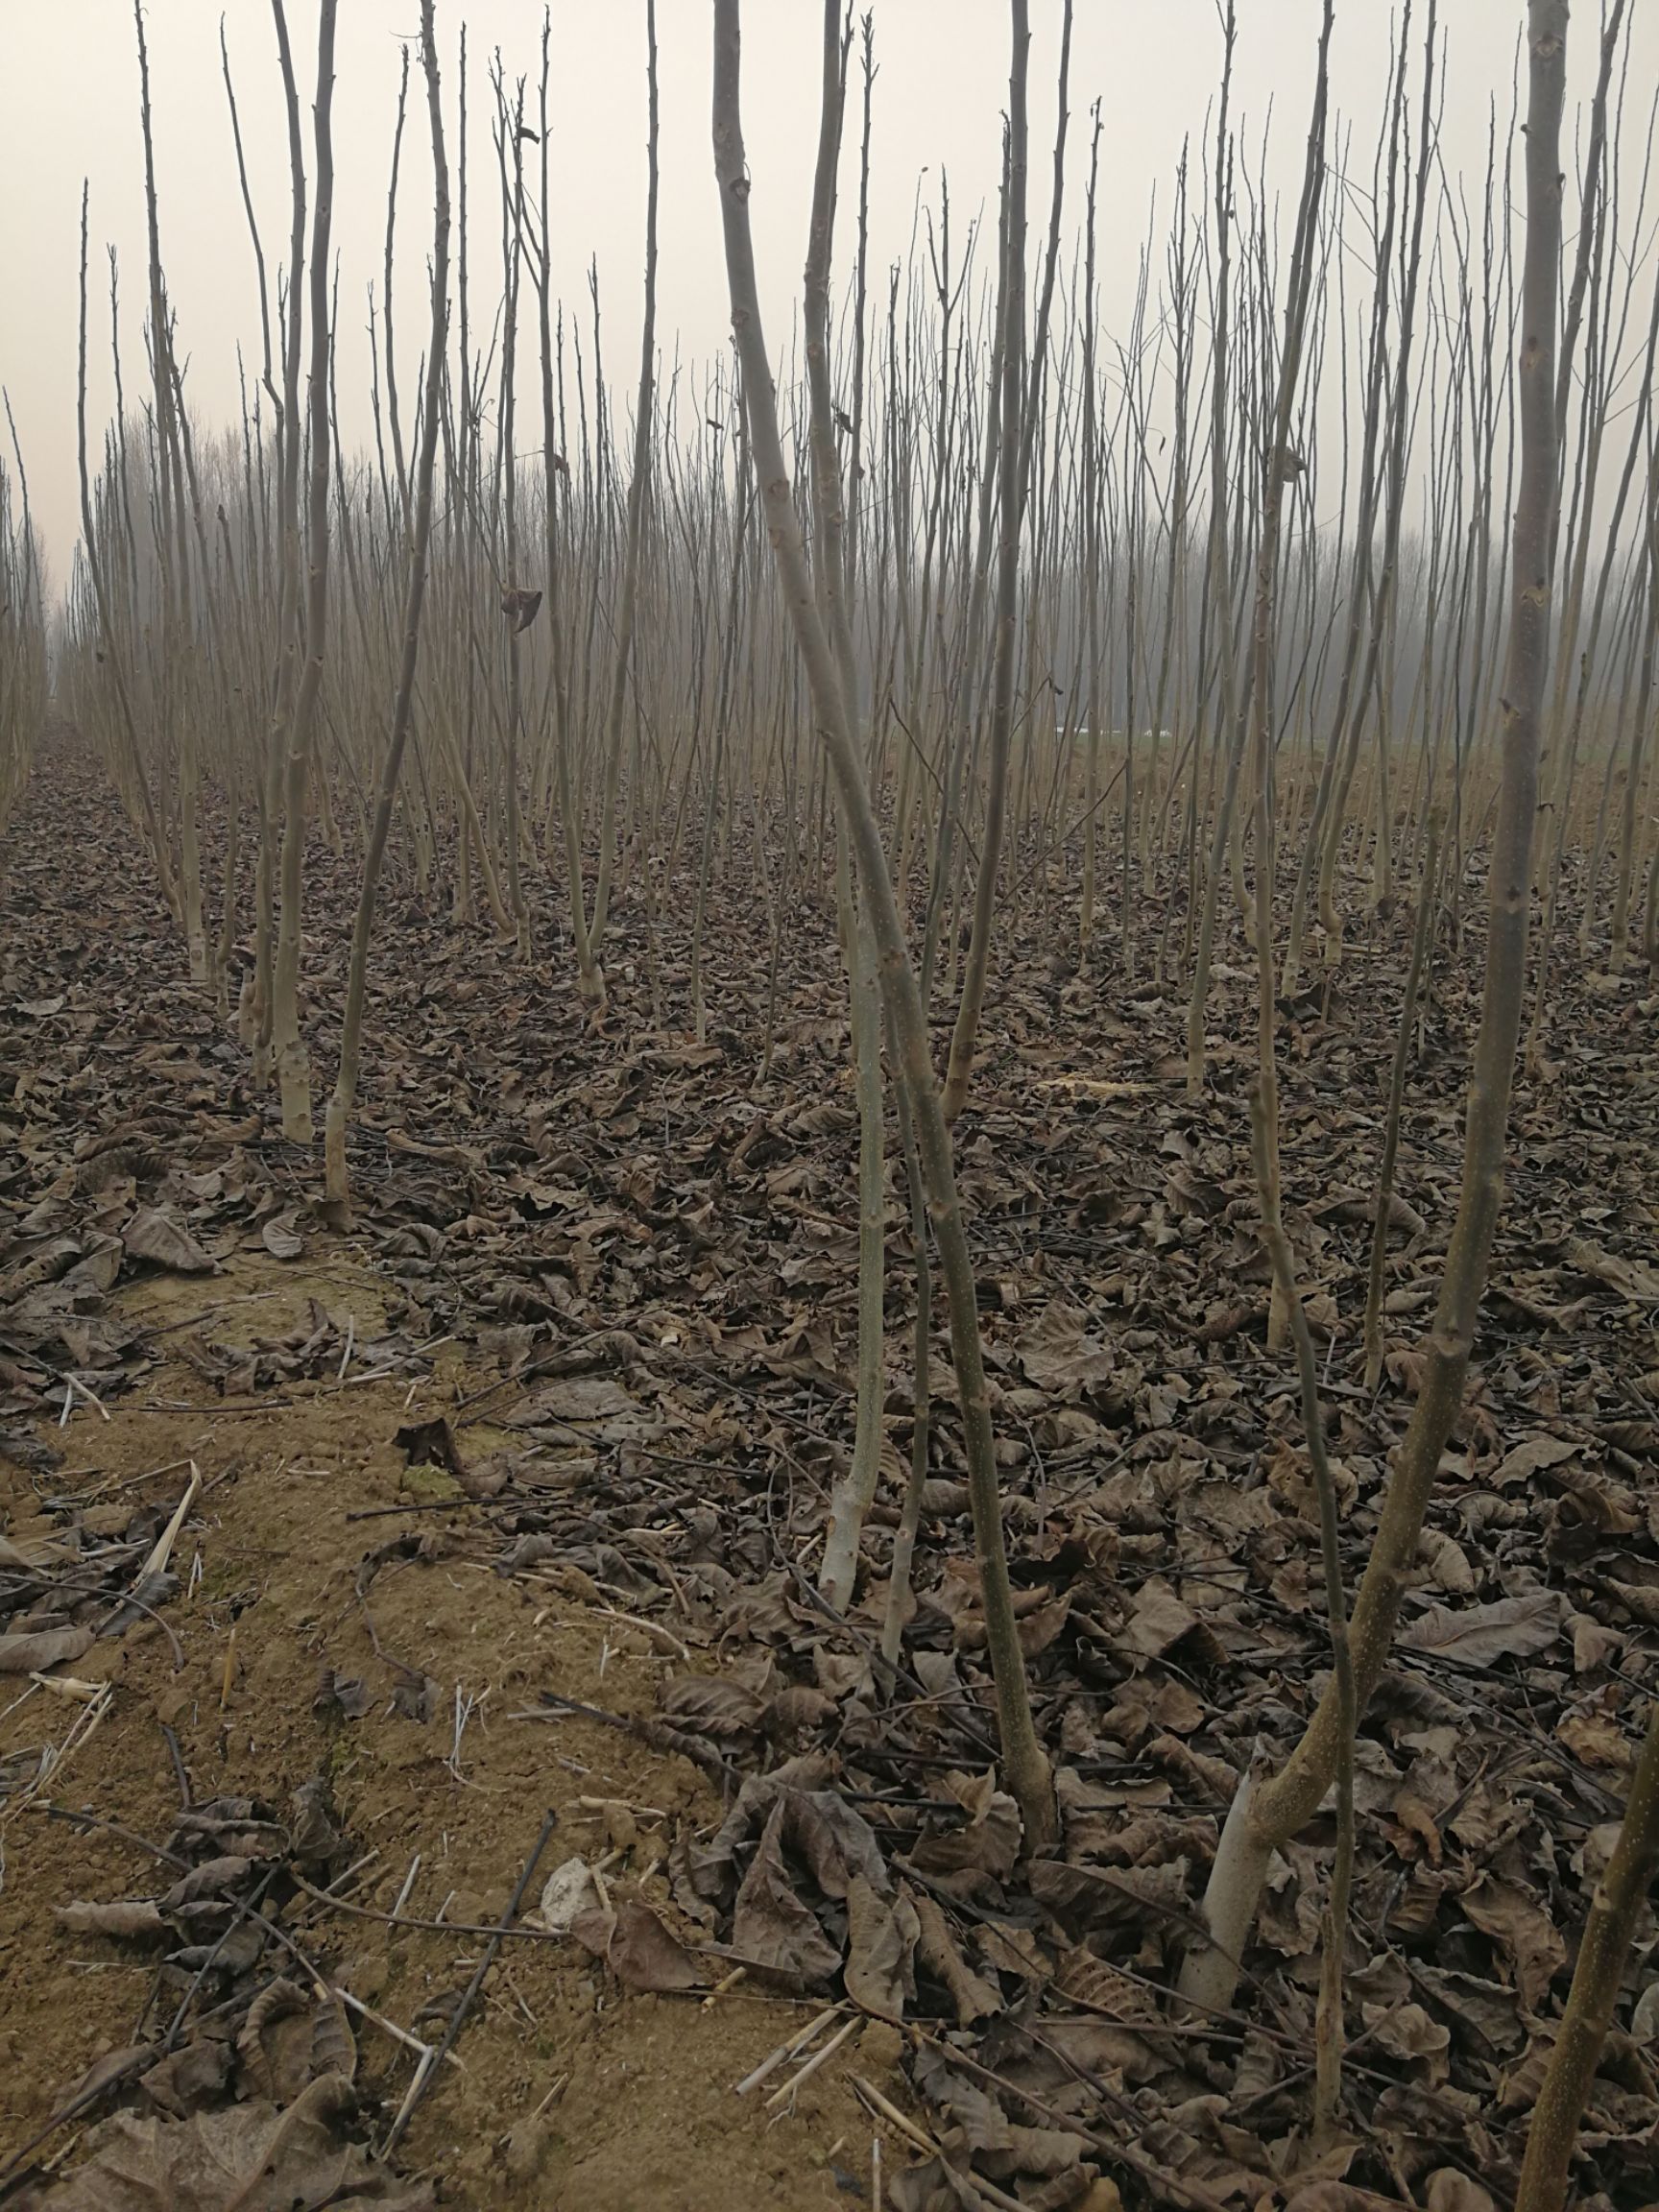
69, 109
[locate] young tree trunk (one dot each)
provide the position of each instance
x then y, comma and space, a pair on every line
337, 1185
1427, 891
1020, 401
636, 483
1375, 677
555, 474
518, 605
854, 1493
1267, 1813
148, 815
898, 1612
1647, 685
287, 1045
1218, 580
1618, 1898
177, 634
1349, 701
1281, 464
1089, 435
1028, 1769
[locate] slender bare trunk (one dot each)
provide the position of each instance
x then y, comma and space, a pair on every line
1267, 1813
1029, 1773
1614, 1909
337, 1181
628, 596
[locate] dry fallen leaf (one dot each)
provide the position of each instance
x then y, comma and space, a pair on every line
281, 1239
142, 2163
974, 1996
881, 1936
1528, 1458
135, 1919
1517, 1923
1158, 1621
33, 1654
1597, 1738
1477, 1635
710, 1705
1452, 2190
989, 1844
771, 1925
641, 1953
155, 1237
1339, 2197
568, 1892
1448, 1563
1631, 1279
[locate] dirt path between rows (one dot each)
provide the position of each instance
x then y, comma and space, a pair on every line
570, 2093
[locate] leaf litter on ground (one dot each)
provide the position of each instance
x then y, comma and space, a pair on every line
642, 1247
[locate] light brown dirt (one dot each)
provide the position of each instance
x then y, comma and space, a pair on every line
634, 2092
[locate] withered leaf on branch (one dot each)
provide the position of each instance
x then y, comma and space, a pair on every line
520, 607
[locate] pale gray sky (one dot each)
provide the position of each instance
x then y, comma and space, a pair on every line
68, 110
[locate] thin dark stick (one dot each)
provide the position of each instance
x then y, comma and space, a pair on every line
411, 2104
656, 1733
244, 1910
407, 1920
1192, 2193
178, 1758
94, 1821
